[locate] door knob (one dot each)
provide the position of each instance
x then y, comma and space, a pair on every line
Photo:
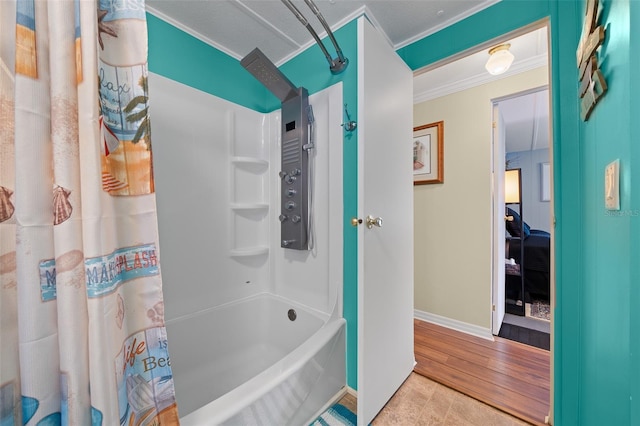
355, 221
374, 221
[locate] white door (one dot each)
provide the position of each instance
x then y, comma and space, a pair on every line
385, 253
498, 167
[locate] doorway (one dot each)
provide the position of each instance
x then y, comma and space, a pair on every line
456, 235
522, 217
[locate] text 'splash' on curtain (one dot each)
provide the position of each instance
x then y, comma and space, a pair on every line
82, 317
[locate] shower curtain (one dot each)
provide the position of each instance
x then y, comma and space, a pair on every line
82, 335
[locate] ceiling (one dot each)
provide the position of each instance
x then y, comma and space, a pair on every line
236, 27
526, 120
529, 49
526, 117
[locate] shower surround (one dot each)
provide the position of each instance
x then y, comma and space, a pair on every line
228, 284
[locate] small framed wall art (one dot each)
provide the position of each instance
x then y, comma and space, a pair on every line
428, 153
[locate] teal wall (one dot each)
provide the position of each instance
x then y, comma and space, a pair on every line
607, 328
633, 181
181, 57
597, 369
506, 16
565, 30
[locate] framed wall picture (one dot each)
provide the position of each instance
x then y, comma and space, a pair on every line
428, 153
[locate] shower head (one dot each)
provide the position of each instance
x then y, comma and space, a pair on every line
269, 75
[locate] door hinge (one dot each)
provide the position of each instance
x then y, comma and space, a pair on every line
493, 308
493, 124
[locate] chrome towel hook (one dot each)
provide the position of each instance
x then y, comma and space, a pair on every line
349, 125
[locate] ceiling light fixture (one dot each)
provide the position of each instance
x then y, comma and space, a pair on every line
500, 59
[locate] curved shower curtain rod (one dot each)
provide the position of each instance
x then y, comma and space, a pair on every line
335, 65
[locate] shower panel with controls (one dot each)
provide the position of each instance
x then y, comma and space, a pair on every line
294, 174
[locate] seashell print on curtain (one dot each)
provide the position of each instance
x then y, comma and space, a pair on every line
6, 207
82, 334
62, 208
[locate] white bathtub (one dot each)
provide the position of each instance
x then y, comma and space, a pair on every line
247, 363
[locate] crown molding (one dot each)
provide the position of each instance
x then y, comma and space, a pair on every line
169, 20
354, 15
479, 79
446, 23
362, 11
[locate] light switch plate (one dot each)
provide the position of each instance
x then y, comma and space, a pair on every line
612, 186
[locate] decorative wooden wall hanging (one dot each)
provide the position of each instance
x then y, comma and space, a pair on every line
592, 83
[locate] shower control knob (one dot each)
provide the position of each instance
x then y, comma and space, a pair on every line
282, 217
291, 192
295, 172
282, 175
289, 179
286, 243
290, 205
295, 218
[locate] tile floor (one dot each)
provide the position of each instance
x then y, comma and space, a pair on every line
423, 402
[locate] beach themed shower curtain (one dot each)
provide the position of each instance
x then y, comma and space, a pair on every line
82, 335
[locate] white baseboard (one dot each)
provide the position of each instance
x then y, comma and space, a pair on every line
464, 327
351, 391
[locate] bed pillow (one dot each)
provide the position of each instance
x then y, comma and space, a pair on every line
513, 226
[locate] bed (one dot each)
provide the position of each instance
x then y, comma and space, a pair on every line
536, 261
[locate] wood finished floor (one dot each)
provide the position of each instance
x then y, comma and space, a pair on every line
504, 374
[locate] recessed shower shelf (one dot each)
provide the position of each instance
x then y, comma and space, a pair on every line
249, 251
249, 206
